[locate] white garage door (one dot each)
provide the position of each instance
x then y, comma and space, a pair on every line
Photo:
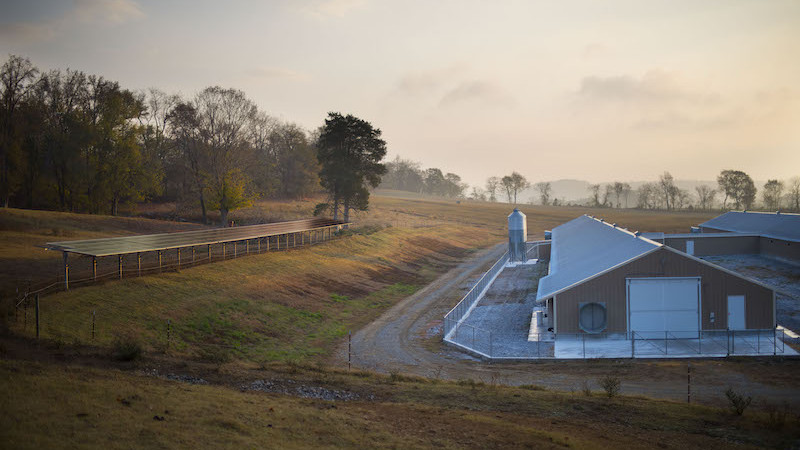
656, 305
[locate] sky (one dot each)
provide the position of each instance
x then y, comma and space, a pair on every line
592, 90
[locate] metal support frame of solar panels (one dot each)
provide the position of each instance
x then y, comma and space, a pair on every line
121, 246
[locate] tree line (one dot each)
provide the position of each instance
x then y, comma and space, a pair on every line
406, 175
79, 142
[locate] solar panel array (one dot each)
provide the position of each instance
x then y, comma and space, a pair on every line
154, 242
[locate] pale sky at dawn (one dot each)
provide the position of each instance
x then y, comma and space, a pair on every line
594, 90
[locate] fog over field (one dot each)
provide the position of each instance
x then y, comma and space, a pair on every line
595, 91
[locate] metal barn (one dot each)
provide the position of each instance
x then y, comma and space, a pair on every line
606, 279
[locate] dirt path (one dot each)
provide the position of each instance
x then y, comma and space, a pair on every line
407, 339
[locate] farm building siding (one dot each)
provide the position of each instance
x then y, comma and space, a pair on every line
716, 286
780, 249
717, 245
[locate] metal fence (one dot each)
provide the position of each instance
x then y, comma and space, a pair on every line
459, 312
500, 346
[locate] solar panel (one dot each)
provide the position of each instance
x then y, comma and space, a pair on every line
164, 241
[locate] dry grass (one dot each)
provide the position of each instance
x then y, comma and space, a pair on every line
49, 406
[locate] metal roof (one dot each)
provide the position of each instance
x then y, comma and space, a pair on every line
585, 247
165, 241
773, 225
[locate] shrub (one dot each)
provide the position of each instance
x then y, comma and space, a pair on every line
126, 348
738, 402
586, 388
532, 387
611, 385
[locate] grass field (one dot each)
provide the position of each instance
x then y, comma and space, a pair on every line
53, 406
278, 317
282, 305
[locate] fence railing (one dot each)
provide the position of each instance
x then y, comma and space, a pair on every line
462, 308
516, 346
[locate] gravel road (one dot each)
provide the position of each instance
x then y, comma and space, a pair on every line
407, 339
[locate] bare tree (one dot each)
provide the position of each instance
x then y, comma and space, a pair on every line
648, 195
705, 196
508, 185
478, 194
621, 190
773, 190
595, 191
607, 193
544, 189
224, 118
668, 189
492, 185
518, 184
794, 193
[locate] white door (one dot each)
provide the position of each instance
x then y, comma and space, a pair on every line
736, 312
690, 247
657, 306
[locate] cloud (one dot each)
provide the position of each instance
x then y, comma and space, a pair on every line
331, 8
85, 12
482, 92
653, 87
429, 82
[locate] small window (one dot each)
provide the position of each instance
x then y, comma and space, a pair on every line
592, 317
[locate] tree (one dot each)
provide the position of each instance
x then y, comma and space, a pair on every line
350, 152
621, 190
518, 183
124, 173
705, 196
544, 189
508, 184
454, 188
492, 185
609, 190
647, 194
794, 193
773, 190
669, 191
223, 120
293, 160
403, 175
478, 194
16, 76
434, 182
626, 191
594, 189
194, 154
738, 186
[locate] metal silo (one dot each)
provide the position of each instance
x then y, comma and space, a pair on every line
517, 235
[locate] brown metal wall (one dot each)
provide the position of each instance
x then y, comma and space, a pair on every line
704, 245
716, 286
544, 252
781, 249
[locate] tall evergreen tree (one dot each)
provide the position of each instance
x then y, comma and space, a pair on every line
350, 152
